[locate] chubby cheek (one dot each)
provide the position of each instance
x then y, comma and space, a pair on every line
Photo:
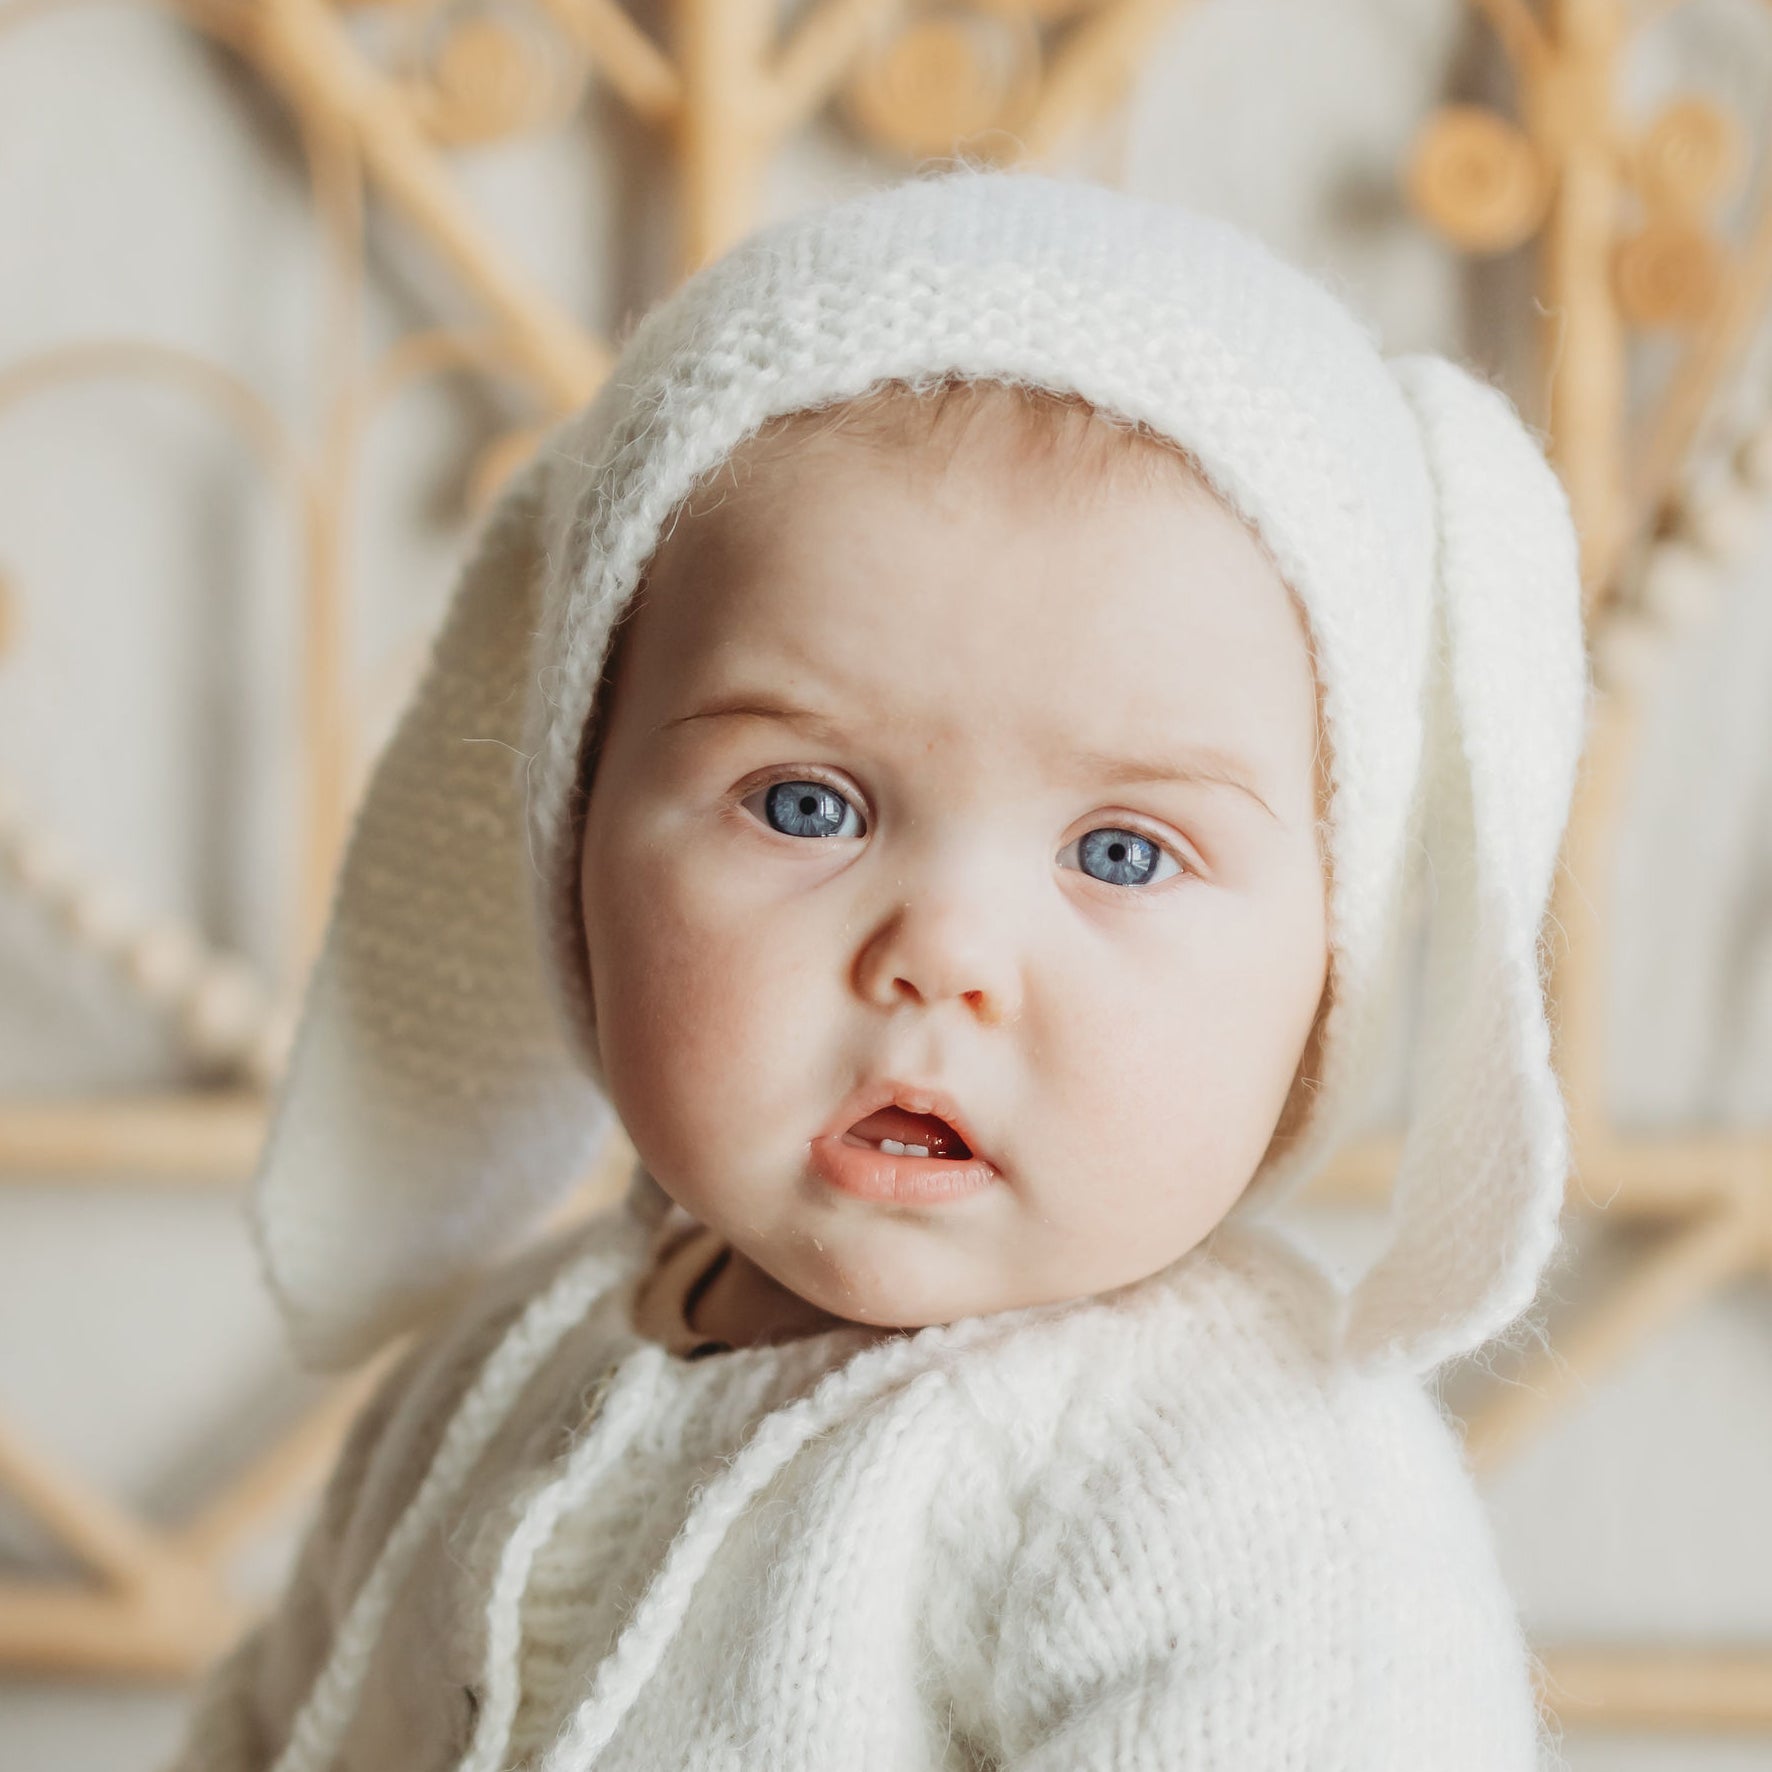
702, 1019
1138, 1104
1162, 1080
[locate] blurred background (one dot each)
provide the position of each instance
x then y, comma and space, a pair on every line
289, 286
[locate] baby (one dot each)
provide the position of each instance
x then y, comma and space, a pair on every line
988, 673
944, 730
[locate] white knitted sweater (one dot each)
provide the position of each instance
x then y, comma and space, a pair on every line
1161, 1528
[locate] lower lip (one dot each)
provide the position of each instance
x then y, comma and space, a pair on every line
873, 1174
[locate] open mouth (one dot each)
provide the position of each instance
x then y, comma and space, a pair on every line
901, 1133
900, 1156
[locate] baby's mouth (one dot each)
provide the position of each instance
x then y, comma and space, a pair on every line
901, 1133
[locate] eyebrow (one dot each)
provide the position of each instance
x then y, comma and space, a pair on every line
1203, 764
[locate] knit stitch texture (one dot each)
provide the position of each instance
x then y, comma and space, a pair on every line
1162, 1530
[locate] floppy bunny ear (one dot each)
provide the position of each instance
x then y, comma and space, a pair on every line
432, 1108
1479, 1189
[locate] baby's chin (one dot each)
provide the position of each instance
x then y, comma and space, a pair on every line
874, 1297
803, 1290
808, 1263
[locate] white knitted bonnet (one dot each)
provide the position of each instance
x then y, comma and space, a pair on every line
444, 1088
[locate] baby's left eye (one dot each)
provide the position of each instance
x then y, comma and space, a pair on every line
1119, 857
805, 809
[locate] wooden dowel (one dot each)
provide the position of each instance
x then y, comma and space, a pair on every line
623, 54
815, 58
50, 1628
436, 350
1519, 33
203, 1140
1654, 1176
306, 51
1090, 67
1645, 1176
198, 1139
1583, 341
1659, 1689
297, 1462
328, 718
326, 730
233, 400
1659, 1287
105, 1537
723, 134
1713, 352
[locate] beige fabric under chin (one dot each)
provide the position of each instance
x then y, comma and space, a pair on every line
682, 1262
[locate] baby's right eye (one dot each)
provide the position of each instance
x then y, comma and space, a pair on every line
805, 809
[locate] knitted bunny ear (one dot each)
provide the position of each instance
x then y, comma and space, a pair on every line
1485, 1158
431, 1108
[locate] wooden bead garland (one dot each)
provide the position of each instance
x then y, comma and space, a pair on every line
1724, 523
1679, 583
1682, 574
219, 1009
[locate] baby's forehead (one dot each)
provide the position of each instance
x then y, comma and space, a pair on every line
1029, 503
973, 464
1059, 441
978, 471
1030, 560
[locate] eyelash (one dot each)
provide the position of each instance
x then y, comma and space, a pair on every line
811, 772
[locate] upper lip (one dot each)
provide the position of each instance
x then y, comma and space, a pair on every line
914, 1098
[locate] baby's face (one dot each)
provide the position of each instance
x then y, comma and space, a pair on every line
915, 770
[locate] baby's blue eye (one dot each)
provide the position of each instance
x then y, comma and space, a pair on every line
1111, 854
806, 809
1120, 857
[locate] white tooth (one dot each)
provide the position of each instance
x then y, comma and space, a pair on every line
892, 1147
916, 1150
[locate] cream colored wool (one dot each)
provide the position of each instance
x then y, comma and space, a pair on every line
1245, 1549
1164, 1530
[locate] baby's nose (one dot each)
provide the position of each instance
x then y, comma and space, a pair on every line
934, 950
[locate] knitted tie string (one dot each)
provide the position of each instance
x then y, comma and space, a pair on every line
655, 1620
327, 1712
626, 1402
